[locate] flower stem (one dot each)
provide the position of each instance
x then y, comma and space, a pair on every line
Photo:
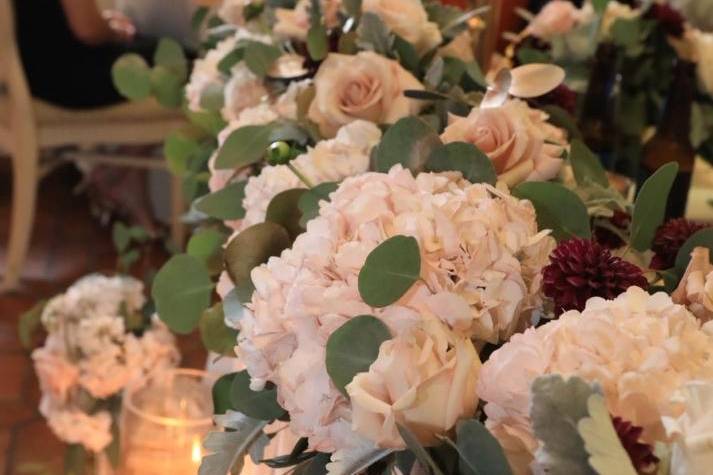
299, 175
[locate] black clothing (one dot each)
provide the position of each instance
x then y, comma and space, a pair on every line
59, 68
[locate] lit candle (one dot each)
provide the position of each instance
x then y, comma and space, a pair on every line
163, 424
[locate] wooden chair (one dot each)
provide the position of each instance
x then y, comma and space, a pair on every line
27, 126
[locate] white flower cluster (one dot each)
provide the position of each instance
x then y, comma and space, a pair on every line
89, 356
205, 74
481, 257
640, 348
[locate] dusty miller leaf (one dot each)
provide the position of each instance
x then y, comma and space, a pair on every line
557, 406
226, 448
606, 454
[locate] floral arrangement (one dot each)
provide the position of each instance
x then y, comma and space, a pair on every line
98, 340
646, 38
421, 267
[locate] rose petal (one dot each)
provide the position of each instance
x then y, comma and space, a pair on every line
534, 80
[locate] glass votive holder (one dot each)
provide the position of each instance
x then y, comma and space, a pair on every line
164, 419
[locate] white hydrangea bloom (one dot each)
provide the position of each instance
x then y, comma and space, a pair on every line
640, 348
205, 70
480, 277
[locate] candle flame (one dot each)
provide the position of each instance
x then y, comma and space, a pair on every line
196, 454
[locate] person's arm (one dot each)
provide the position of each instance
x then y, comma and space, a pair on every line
90, 26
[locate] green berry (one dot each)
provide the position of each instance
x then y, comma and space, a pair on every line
279, 153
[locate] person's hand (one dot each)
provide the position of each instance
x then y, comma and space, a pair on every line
121, 25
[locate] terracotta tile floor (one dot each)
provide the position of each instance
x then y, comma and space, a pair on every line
67, 243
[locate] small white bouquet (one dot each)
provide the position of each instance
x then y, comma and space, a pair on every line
98, 341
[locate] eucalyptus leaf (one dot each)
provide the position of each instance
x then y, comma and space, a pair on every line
650, 206
466, 158
212, 98
225, 204
422, 455
244, 146
317, 43
221, 393
308, 203
406, 54
178, 148
600, 5
316, 465
169, 54
586, 165
167, 87
260, 405
215, 335
132, 77
374, 35
252, 247
206, 245
259, 57
210, 122
390, 270
562, 119
701, 238
30, 321
182, 291
479, 451
408, 142
284, 210
227, 448
532, 55
557, 407
121, 236
475, 74
434, 73
230, 60
557, 208
353, 347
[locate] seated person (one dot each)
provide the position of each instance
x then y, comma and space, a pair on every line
68, 48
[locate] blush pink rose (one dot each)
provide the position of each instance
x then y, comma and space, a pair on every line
516, 138
364, 86
424, 380
557, 17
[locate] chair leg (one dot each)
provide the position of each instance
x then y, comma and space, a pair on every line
178, 229
25, 169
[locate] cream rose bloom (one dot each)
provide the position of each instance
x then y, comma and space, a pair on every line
557, 17
294, 23
363, 86
692, 431
516, 138
641, 348
695, 290
408, 19
424, 380
481, 262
